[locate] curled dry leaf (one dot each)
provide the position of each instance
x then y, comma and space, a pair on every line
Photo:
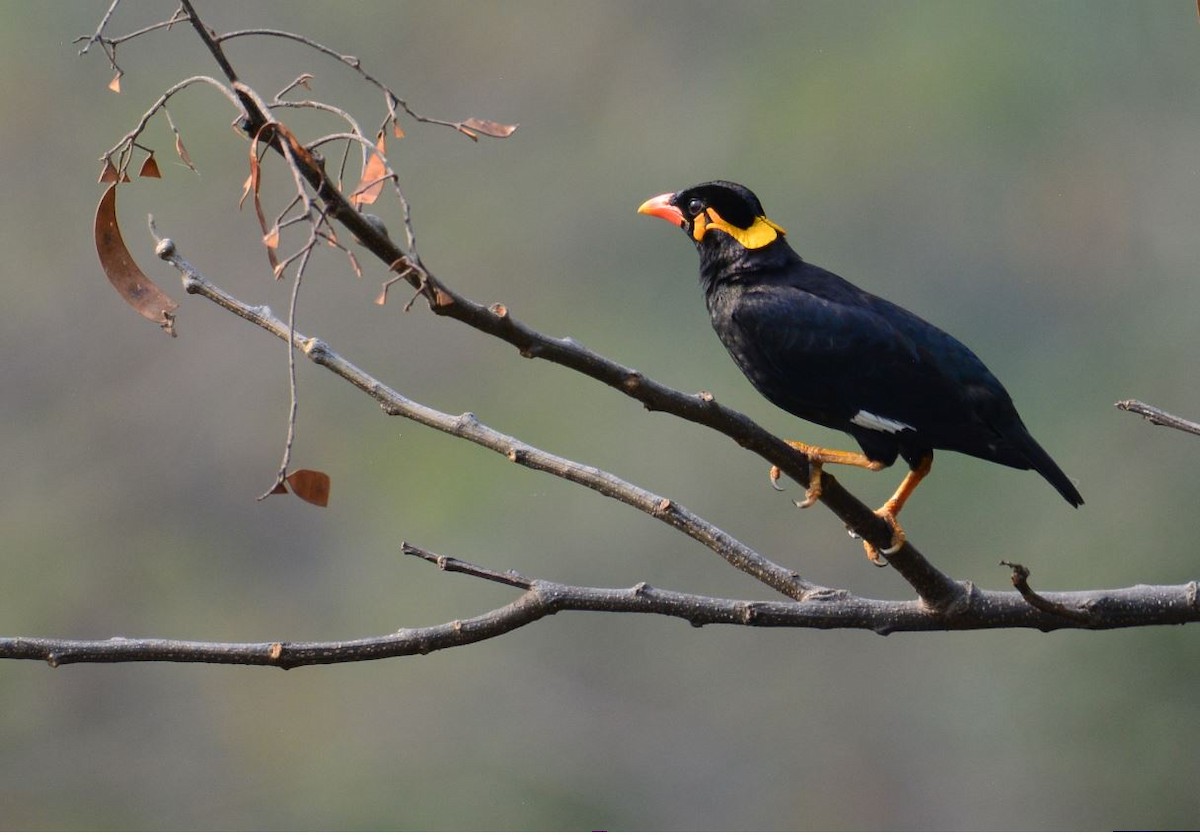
489, 128
182, 151
310, 485
270, 241
139, 292
115, 84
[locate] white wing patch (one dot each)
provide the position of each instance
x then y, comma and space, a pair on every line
880, 424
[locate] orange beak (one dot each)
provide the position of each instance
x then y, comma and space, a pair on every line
661, 207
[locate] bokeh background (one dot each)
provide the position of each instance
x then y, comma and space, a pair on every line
1025, 174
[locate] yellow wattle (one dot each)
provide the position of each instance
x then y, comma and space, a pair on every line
760, 233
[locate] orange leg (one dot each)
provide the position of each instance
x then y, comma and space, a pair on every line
817, 458
892, 507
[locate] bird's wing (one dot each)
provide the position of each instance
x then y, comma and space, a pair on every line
845, 358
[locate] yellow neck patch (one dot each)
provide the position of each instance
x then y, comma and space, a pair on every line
760, 233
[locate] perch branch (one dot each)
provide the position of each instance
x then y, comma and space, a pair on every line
1108, 609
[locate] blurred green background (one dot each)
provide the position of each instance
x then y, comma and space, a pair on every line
1024, 174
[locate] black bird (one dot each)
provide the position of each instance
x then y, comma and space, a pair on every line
817, 346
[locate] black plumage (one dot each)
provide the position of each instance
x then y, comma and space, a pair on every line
827, 351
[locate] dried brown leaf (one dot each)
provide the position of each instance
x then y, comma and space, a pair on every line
252, 185
398, 131
495, 129
371, 185
115, 84
150, 168
138, 291
109, 173
310, 485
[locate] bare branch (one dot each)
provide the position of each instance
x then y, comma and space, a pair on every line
1107, 609
354, 63
1158, 417
124, 148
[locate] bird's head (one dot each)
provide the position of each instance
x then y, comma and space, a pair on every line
717, 214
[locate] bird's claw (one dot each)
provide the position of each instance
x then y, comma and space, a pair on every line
812, 493
876, 555
775, 475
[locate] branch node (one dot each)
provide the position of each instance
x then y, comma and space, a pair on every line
317, 350
662, 507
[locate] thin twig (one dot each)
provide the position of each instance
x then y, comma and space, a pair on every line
1158, 417
1020, 581
123, 149
351, 61
454, 565
99, 37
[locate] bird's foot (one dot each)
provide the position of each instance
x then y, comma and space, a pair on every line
812, 493
876, 555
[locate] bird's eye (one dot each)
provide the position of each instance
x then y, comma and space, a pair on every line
695, 206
